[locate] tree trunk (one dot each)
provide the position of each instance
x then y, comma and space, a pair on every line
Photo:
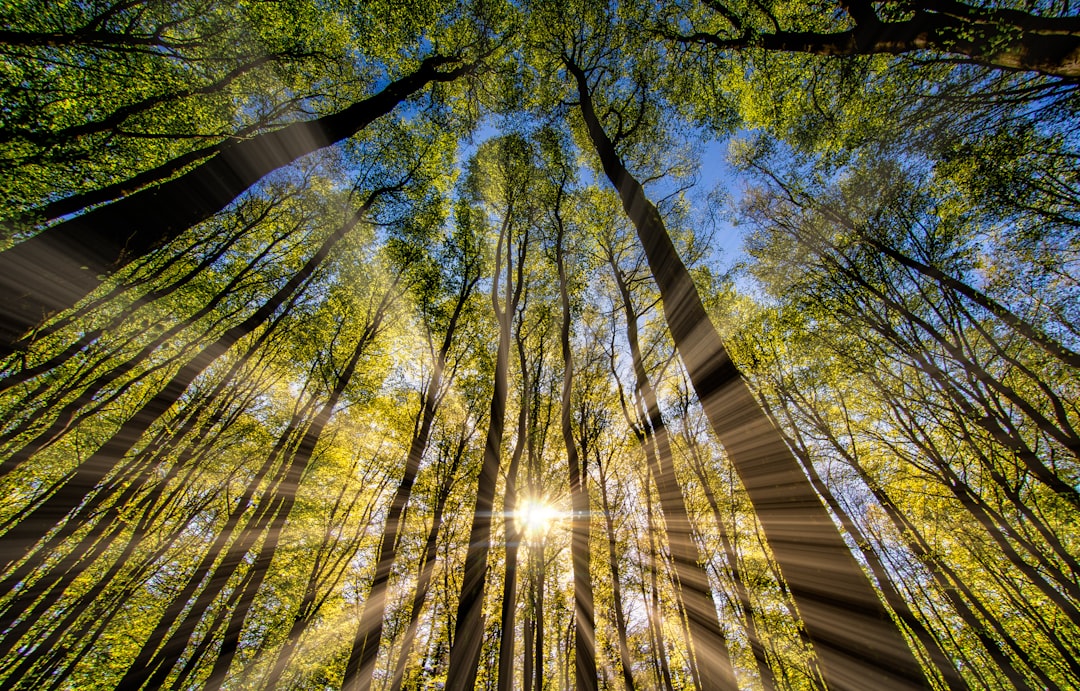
956, 590
742, 592
469, 627
365, 647
625, 661
210, 575
73, 411
857, 642
317, 580
1001, 38
706, 639
87, 339
57, 267
584, 609
271, 513
652, 602
512, 531
899, 605
427, 563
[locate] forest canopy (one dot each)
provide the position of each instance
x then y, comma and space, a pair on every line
730, 344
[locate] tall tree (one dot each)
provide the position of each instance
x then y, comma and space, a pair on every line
509, 162
827, 583
584, 608
691, 576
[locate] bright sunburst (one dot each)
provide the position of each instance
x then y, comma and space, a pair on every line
535, 517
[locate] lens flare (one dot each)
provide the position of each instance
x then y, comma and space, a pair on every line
536, 517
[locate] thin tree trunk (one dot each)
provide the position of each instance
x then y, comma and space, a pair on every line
469, 626
36, 599
272, 511
742, 593
317, 579
656, 615
427, 563
539, 616
87, 339
211, 575
857, 643
53, 139
512, 530
284, 500
584, 609
958, 593
528, 634
899, 605
625, 661
72, 412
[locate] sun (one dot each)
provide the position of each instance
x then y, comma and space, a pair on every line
535, 517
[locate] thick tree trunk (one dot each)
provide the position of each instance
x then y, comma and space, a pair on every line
706, 639
1000, 38
57, 267
856, 640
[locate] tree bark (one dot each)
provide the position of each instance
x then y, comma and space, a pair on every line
512, 531
706, 637
999, 38
625, 661
652, 602
742, 592
365, 647
427, 563
469, 626
899, 605
271, 513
